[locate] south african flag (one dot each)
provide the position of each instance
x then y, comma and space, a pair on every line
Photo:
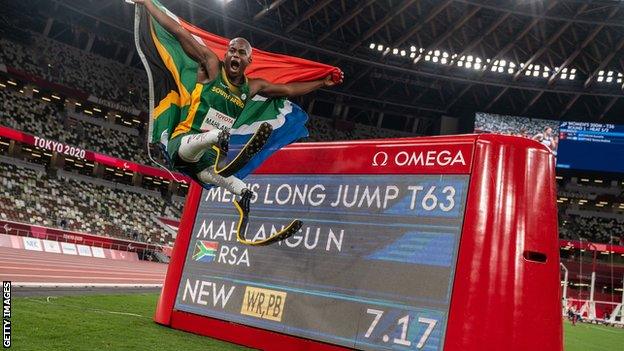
205, 251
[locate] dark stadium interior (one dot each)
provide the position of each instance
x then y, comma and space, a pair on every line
70, 74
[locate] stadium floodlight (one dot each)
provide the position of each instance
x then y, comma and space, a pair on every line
395, 51
469, 58
372, 46
460, 63
610, 73
527, 73
468, 64
535, 73
435, 59
427, 58
510, 70
609, 79
443, 61
545, 74
380, 47
493, 69
412, 48
600, 78
572, 76
402, 52
500, 69
445, 54
421, 50
564, 75
573, 70
412, 55
477, 65
437, 52
503, 63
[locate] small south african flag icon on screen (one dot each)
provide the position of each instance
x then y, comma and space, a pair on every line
205, 251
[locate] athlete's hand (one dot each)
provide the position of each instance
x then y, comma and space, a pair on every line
329, 81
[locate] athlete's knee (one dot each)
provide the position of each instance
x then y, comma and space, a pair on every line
231, 183
193, 147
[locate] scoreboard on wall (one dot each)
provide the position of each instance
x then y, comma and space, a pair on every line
444, 243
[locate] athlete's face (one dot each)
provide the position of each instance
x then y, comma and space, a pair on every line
237, 57
548, 131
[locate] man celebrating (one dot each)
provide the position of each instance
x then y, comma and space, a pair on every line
217, 100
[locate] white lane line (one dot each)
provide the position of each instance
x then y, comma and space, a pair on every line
83, 285
4, 262
10, 276
34, 255
49, 301
65, 270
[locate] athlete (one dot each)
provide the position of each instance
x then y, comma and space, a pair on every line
217, 100
546, 138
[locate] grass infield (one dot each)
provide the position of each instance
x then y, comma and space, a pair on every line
99, 322
590, 337
124, 322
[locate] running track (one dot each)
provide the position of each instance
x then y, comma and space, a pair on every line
23, 266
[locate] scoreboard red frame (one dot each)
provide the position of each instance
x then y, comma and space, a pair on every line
506, 289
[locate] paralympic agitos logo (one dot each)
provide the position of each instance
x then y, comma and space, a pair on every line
430, 158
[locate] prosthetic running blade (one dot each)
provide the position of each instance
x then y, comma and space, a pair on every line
253, 146
242, 206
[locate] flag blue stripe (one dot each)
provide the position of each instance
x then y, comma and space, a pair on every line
292, 130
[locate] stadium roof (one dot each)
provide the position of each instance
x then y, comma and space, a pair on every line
417, 60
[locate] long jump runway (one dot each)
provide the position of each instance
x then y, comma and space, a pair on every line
33, 268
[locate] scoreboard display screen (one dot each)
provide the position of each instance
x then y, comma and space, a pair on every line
434, 243
591, 146
372, 268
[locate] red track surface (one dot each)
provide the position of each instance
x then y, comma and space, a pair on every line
23, 266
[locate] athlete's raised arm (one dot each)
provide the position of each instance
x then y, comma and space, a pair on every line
196, 51
262, 87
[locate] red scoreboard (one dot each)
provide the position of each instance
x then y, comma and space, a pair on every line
438, 243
